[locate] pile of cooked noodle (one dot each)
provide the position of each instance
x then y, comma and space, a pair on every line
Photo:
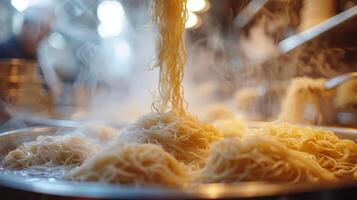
51, 151
338, 156
169, 127
138, 164
260, 158
169, 146
182, 136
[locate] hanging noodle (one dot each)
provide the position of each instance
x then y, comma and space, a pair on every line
336, 155
162, 148
138, 164
260, 158
170, 17
51, 151
346, 96
173, 135
306, 102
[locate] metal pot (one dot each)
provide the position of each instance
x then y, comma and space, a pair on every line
18, 187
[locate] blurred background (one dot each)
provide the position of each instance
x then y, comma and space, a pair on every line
65, 61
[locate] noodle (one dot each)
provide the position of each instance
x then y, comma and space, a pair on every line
346, 96
50, 151
173, 135
338, 156
139, 164
171, 127
182, 136
218, 112
170, 17
306, 102
162, 148
260, 158
231, 127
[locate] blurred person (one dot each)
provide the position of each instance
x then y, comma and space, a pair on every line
36, 26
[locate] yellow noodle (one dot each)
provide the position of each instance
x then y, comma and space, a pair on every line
170, 17
231, 127
51, 151
162, 147
138, 164
182, 136
346, 96
307, 101
260, 158
218, 111
338, 156
171, 127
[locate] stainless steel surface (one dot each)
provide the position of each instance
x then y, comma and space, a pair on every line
11, 139
338, 80
65, 189
32, 120
295, 41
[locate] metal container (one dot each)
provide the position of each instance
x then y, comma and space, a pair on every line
16, 187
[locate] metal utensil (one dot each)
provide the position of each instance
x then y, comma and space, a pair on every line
338, 80
296, 40
249, 12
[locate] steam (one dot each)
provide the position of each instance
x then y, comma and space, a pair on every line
114, 89
257, 42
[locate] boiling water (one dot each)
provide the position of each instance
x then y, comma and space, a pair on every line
37, 173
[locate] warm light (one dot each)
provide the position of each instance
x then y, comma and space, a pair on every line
112, 17
106, 31
21, 5
197, 5
214, 191
193, 21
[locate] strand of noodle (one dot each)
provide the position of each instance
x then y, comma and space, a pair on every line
170, 17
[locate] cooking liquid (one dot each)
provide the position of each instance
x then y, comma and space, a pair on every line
37, 173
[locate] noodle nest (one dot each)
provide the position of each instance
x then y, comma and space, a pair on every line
51, 151
260, 158
338, 156
183, 137
138, 164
